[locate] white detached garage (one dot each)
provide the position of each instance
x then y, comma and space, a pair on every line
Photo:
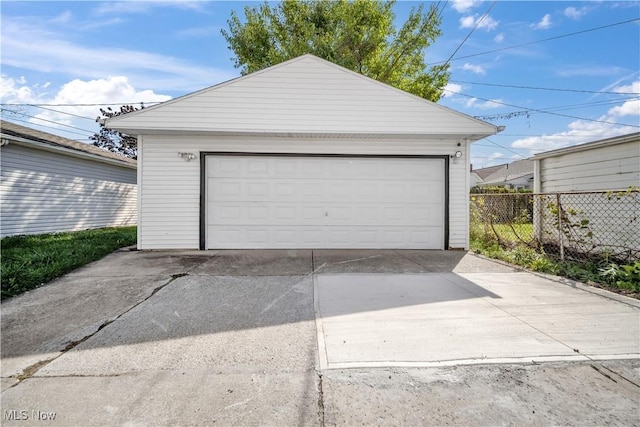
304, 154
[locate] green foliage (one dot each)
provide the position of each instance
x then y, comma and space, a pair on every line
30, 261
617, 195
573, 223
626, 276
112, 140
623, 276
359, 35
498, 190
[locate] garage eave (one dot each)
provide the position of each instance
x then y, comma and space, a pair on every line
305, 134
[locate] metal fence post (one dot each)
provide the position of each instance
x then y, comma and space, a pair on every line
560, 234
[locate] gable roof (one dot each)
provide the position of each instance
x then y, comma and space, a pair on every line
622, 139
485, 172
38, 139
306, 96
510, 171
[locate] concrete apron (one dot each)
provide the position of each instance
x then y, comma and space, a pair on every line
237, 337
446, 319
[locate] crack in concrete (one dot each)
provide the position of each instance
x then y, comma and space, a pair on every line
601, 367
320, 399
31, 370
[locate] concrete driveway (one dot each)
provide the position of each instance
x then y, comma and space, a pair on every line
317, 338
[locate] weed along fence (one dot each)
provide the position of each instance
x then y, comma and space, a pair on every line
584, 227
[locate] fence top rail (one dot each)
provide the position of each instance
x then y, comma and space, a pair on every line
629, 191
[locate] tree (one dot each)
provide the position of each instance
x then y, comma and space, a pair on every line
358, 35
112, 140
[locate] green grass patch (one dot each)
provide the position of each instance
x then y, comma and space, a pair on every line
506, 233
30, 261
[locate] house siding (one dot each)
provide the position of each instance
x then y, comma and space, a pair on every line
44, 191
612, 167
305, 95
170, 208
608, 166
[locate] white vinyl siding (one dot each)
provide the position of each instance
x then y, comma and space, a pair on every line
170, 206
304, 95
606, 165
609, 167
43, 191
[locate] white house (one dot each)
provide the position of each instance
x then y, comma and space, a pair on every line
304, 154
598, 213
52, 184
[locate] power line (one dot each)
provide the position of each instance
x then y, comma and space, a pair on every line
62, 112
541, 111
79, 105
545, 88
504, 148
13, 119
51, 121
469, 35
538, 41
559, 108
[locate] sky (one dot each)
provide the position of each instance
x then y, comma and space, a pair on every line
555, 74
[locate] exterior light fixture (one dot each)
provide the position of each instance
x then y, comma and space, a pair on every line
187, 156
457, 154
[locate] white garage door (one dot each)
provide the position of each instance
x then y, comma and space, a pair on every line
324, 202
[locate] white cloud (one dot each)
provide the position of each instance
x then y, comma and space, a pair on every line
488, 23
632, 88
48, 51
64, 18
573, 13
629, 108
112, 90
477, 69
544, 23
499, 38
465, 5
589, 70
451, 89
198, 32
580, 131
484, 105
137, 6
488, 160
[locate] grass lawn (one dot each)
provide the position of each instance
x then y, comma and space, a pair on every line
30, 261
508, 232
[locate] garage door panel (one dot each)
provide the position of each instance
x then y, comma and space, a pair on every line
324, 202
260, 237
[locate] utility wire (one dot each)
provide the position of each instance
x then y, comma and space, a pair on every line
62, 112
541, 111
562, 107
79, 105
545, 88
469, 35
13, 119
51, 121
537, 41
504, 148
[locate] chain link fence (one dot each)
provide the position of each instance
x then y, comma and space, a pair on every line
588, 226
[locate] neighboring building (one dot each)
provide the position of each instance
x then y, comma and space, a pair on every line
607, 164
592, 179
52, 184
304, 154
516, 175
